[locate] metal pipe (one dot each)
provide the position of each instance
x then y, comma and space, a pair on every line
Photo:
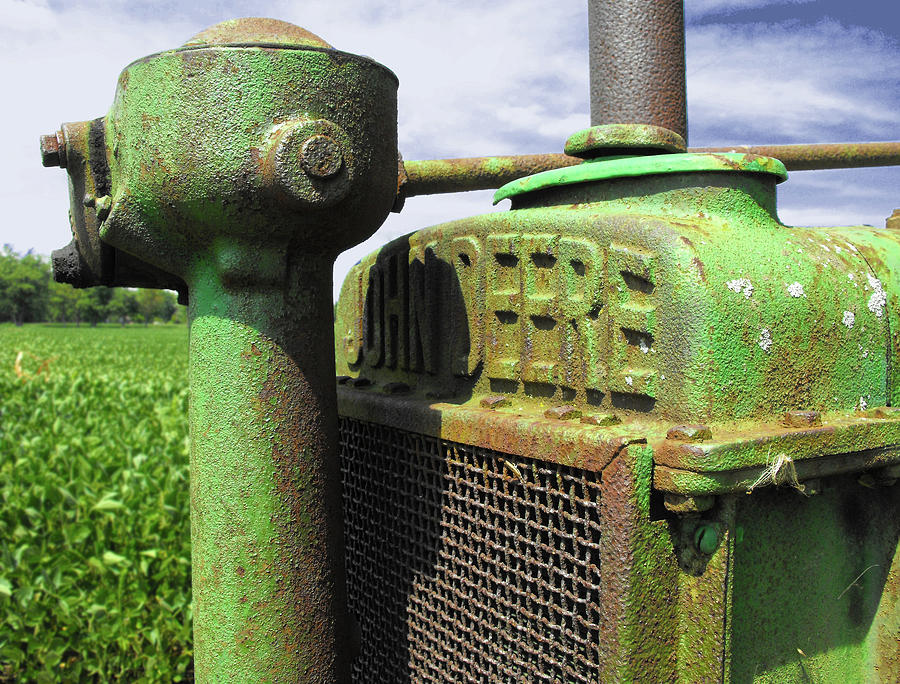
637, 63
438, 176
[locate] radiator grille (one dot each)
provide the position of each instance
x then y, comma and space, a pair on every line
468, 565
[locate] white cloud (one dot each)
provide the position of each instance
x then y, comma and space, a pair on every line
791, 81
696, 9
476, 78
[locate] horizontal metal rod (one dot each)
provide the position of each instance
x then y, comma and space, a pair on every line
437, 176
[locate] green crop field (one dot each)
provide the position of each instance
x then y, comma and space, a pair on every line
94, 532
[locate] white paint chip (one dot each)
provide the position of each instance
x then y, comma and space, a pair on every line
849, 319
628, 380
765, 339
741, 285
795, 289
878, 299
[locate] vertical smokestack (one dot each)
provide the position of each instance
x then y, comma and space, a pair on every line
637, 63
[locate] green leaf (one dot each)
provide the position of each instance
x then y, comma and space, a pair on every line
111, 558
107, 505
5, 587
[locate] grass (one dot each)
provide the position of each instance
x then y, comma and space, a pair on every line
94, 531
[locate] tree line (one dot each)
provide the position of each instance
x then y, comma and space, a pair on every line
28, 294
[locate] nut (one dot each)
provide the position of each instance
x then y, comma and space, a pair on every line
53, 151
321, 156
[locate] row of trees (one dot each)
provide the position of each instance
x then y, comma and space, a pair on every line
29, 294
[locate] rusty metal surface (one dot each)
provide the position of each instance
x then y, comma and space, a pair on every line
467, 564
822, 155
637, 63
435, 176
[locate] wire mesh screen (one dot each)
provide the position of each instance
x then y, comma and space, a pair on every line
468, 565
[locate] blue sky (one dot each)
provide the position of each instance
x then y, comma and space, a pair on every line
478, 78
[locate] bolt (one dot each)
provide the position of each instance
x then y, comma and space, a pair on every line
800, 419
321, 156
689, 433
53, 149
562, 413
706, 538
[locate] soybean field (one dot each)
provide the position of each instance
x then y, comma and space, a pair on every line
94, 501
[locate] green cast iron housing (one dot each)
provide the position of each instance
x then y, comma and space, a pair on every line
659, 300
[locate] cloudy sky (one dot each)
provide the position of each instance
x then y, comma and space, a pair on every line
478, 78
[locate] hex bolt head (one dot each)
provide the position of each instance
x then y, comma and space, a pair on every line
321, 156
689, 433
50, 151
706, 538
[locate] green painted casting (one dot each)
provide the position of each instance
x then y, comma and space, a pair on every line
631, 167
615, 138
242, 164
646, 294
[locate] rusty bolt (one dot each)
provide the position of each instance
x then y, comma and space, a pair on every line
801, 419
562, 413
495, 401
321, 156
689, 433
601, 419
706, 538
53, 150
687, 505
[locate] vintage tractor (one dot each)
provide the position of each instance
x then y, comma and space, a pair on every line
633, 429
